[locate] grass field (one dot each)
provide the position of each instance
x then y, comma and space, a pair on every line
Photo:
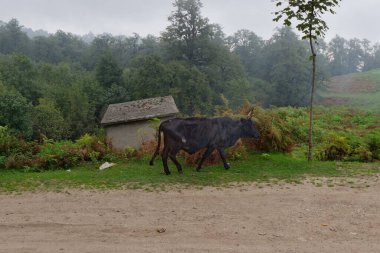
263, 169
359, 90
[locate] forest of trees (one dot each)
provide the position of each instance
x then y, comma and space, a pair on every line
59, 85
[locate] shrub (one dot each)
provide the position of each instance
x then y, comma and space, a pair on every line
86, 140
63, 154
12, 162
147, 149
17, 161
94, 156
111, 157
237, 152
275, 132
129, 152
362, 154
335, 147
348, 146
2, 161
224, 109
15, 152
92, 147
297, 122
373, 141
7, 141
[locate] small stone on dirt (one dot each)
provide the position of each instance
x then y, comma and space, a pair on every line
161, 230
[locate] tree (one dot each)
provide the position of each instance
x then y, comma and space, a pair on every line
376, 56
18, 71
222, 68
46, 50
15, 112
123, 49
355, 55
150, 45
308, 14
126, 48
70, 46
48, 120
187, 31
76, 109
75, 93
368, 55
189, 88
338, 56
53, 76
148, 77
248, 46
284, 65
99, 97
108, 71
12, 39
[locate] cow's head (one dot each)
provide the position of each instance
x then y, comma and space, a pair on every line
249, 129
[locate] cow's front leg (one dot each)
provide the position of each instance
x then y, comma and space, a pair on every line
206, 154
223, 156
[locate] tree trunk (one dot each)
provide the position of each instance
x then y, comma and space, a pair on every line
310, 153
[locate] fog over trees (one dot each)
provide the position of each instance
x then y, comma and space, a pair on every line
58, 85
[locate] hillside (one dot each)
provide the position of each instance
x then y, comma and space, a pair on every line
360, 90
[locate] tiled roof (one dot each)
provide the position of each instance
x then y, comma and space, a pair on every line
139, 110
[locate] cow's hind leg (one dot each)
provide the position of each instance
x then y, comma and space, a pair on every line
206, 154
223, 156
172, 156
165, 154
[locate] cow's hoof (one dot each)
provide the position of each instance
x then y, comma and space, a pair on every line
167, 173
198, 169
180, 172
151, 163
227, 166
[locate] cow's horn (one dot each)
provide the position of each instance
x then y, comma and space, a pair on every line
250, 114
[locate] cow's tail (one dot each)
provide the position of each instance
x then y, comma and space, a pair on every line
158, 146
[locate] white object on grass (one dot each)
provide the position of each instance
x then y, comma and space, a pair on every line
106, 165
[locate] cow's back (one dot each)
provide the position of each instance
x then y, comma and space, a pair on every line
192, 132
197, 133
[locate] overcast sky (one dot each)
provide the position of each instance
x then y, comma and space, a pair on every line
354, 18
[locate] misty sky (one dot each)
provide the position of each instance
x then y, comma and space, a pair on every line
354, 18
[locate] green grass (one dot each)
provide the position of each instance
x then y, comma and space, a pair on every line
368, 101
364, 100
372, 75
272, 168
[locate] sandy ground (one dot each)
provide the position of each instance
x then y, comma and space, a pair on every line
302, 218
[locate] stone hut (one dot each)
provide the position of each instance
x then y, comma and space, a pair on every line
128, 124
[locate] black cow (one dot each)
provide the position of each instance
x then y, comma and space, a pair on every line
193, 134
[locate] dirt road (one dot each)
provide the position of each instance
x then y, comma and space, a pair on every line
302, 218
